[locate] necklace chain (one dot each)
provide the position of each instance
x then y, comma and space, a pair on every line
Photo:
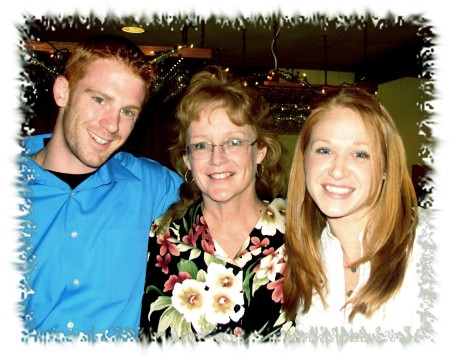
353, 269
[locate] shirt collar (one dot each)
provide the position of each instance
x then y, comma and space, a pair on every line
329, 233
112, 170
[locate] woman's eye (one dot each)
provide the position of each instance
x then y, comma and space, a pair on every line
323, 150
234, 142
201, 146
362, 154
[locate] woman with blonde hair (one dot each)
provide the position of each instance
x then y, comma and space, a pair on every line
352, 221
216, 258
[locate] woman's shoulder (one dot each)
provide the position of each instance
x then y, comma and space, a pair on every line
272, 223
279, 201
278, 205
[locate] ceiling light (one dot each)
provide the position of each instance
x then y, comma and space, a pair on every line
133, 29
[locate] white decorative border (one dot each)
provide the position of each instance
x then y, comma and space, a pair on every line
436, 263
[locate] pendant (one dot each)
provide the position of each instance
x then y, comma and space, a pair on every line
354, 269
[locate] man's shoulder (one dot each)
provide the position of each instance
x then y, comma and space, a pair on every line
128, 160
141, 166
35, 142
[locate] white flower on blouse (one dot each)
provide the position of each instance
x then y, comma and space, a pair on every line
224, 306
219, 277
273, 219
269, 267
191, 299
154, 226
227, 297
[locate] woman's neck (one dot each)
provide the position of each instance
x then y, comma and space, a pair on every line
231, 223
233, 209
348, 233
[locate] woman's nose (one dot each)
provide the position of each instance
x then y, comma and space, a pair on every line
338, 168
218, 154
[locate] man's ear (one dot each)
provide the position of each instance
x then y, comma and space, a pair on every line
61, 91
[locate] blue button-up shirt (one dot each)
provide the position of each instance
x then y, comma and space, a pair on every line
86, 248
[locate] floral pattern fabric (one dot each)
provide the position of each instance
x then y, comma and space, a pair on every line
194, 290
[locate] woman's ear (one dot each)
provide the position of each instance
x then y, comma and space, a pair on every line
261, 154
186, 161
61, 91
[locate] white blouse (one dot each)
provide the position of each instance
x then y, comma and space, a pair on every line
407, 312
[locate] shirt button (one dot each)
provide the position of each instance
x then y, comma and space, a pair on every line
76, 282
70, 325
73, 234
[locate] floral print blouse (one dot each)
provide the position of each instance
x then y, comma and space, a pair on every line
193, 290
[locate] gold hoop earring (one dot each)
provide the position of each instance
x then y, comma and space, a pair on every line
261, 172
186, 177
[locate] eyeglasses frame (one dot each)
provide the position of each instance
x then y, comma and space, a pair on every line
189, 152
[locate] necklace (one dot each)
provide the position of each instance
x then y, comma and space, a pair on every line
353, 269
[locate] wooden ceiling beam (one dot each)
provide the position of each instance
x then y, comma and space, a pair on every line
187, 52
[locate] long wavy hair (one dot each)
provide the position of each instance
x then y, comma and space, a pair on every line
390, 231
243, 105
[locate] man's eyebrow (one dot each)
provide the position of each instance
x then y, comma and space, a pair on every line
92, 91
107, 97
136, 107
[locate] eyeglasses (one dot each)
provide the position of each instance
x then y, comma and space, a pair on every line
233, 147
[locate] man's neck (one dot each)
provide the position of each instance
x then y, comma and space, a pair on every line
73, 180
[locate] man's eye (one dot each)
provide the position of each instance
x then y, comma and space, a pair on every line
234, 142
98, 100
129, 113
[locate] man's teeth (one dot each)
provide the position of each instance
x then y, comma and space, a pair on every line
220, 176
338, 190
98, 138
